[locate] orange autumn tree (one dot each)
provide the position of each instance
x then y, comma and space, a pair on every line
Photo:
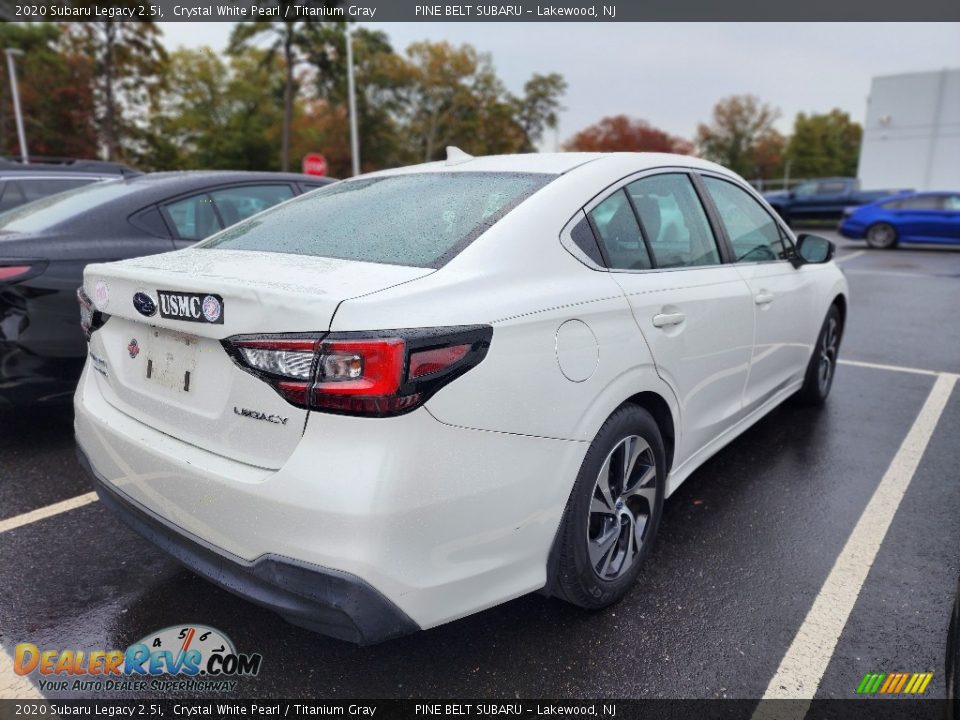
621, 133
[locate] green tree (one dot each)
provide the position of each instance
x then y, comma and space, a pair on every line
537, 108
55, 94
216, 115
381, 79
740, 124
290, 39
130, 68
452, 96
824, 145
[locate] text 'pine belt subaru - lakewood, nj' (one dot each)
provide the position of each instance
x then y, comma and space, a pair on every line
422, 392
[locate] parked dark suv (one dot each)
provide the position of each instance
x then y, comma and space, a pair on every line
21, 183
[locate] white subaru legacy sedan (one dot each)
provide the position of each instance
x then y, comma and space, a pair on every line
413, 395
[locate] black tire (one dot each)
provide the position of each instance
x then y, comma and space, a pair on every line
881, 236
823, 362
579, 576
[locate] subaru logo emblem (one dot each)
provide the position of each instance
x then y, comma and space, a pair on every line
144, 304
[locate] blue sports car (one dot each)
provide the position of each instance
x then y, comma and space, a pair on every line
932, 217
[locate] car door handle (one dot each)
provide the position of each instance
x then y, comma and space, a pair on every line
667, 319
764, 297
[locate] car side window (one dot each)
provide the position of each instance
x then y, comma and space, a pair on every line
194, 217
920, 202
831, 188
674, 221
754, 234
618, 230
951, 202
18, 192
239, 203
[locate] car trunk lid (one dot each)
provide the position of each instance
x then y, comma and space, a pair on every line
159, 357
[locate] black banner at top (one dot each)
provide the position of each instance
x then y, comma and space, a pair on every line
601, 11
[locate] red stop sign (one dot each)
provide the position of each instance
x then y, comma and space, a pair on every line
314, 164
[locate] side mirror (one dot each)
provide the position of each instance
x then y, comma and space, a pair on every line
813, 249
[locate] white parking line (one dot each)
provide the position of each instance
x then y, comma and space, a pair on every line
898, 273
805, 661
851, 256
894, 368
48, 511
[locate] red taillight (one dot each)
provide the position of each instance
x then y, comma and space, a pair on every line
16, 270
427, 362
10, 273
360, 367
380, 374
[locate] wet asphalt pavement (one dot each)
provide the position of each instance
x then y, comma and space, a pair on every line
744, 548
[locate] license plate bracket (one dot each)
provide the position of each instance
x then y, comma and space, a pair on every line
172, 360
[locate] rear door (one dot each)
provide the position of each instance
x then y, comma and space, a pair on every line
782, 295
694, 312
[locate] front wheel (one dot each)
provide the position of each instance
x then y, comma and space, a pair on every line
613, 513
881, 236
823, 363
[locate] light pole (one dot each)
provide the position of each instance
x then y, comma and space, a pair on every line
352, 103
12, 69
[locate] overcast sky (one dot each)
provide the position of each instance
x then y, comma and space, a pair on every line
671, 74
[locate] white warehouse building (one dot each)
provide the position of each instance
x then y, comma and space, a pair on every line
911, 136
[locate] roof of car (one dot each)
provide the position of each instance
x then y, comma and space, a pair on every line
148, 190
64, 166
202, 176
556, 163
157, 187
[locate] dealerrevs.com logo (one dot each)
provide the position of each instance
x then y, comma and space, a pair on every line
198, 657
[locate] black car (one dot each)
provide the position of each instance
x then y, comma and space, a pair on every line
21, 183
45, 245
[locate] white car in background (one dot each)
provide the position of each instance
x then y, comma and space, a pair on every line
422, 392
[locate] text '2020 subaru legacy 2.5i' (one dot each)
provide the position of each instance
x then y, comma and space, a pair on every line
422, 392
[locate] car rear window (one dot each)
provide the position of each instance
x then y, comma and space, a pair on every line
417, 219
44, 213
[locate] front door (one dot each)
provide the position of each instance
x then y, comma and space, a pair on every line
782, 295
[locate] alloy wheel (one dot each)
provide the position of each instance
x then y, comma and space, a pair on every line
623, 502
829, 345
881, 235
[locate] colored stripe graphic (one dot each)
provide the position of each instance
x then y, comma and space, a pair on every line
894, 683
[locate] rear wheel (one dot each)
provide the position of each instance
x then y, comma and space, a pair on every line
613, 513
823, 363
881, 236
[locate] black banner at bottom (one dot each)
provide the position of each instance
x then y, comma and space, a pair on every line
876, 709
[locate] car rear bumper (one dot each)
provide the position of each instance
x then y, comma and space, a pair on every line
328, 601
439, 521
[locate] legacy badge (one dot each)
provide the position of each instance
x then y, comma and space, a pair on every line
192, 307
